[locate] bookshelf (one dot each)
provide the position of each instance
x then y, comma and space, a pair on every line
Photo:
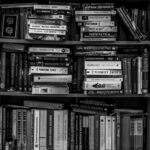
121, 101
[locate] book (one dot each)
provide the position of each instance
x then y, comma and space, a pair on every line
48, 70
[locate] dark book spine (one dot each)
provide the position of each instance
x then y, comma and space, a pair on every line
129, 76
80, 63
3, 70
19, 129
17, 72
25, 72
50, 126
12, 76
20, 77
125, 76
85, 131
145, 70
24, 130
8, 70
134, 75
72, 131
80, 132
96, 131
76, 131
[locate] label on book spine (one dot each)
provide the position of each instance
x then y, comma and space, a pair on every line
48, 70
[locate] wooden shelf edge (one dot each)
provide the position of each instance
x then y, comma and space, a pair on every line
73, 43
71, 95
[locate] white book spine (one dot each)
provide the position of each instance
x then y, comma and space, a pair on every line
102, 132
36, 129
98, 29
46, 32
55, 7
108, 132
53, 78
139, 75
50, 89
113, 133
48, 70
43, 129
102, 64
47, 27
101, 85
91, 132
111, 12
103, 72
58, 130
100, 24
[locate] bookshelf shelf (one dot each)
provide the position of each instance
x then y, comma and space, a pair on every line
71, 95
72, 43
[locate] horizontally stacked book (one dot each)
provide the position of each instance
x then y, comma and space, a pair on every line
97, 22
50, 68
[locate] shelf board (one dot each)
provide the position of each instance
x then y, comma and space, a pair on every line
73, 43
71, 95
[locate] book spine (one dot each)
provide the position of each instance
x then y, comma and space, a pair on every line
20, 78
103, 132
91, 132
29, 129
25, 72
24, 129
77, 131
50, 127
80, 132
43, 130
48, 70
108, 132
102, 64
3, 70
145, 66
17, 72
113, 133
96, 132
36, 129
139, 75
58, 129
65, 129
85, 133
72, 132
19, 129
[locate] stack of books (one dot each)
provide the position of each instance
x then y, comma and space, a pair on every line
50, 68
102, 75
49, 22
97, 22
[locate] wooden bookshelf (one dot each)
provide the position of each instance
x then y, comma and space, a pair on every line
73, 95
74, 43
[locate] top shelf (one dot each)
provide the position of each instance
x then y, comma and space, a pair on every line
73, 43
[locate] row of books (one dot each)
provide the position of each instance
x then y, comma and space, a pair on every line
50, 126
98, 70
96, 21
